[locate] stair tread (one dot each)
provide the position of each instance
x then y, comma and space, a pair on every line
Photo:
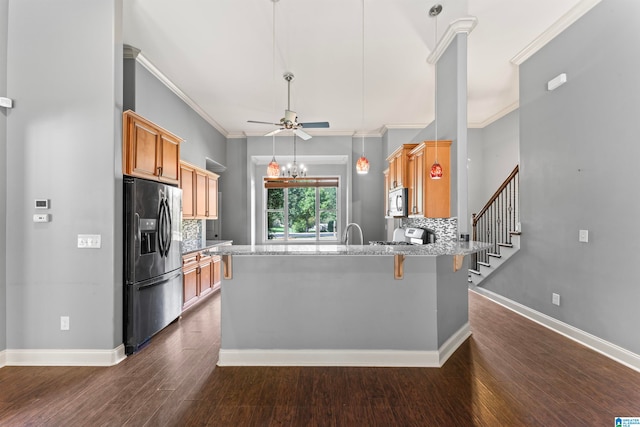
495, 255
486, 264
474, 271
515, 233
506, 245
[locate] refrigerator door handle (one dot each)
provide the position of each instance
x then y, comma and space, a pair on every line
136, 226
161, 227
167, 223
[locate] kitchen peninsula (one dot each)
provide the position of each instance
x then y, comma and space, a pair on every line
344, 305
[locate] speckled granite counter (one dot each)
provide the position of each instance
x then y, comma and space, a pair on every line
188, 248
434, 249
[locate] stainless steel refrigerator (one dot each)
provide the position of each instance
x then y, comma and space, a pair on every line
152, 259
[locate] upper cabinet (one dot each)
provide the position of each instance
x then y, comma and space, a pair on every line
429, 197
398, 166
149, 151
199, 192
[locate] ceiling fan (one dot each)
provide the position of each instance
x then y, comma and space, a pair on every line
290, 119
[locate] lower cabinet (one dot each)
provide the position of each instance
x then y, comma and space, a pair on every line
201, 276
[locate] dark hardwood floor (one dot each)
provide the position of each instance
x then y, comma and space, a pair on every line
511, 372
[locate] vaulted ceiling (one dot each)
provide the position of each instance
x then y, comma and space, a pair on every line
219, 55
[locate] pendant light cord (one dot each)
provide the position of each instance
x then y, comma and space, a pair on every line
362, 110
435, 86
273, 72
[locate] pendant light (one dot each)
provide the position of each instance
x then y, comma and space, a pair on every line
436, 168
362, 165
273, 170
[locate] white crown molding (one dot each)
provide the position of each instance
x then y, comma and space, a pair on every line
144, 61
612, 351
500, 114
378, 358
550, 33
56, 357
462, 25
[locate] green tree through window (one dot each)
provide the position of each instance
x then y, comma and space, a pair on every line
302, 210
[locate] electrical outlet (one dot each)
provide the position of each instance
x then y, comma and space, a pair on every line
583, 236
64, 323
555, 299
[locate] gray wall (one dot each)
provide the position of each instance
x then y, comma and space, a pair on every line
235, 195
578, 155
64, 71
156, 102
4, 6
493, 153
361, 195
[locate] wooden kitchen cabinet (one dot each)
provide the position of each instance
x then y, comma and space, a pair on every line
188, 185
430, 198
387, 187
190, 278
201, 277
398, 170
199, 192
149, 151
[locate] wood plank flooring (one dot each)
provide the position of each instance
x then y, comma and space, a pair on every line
511, 372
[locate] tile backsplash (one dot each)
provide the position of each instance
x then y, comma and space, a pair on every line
191, 234
445, 228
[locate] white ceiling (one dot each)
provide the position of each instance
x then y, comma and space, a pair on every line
219, 54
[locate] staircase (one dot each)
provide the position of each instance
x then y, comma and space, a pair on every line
498, 224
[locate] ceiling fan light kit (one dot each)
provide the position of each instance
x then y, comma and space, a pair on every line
290, 119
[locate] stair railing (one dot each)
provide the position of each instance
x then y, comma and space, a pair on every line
497, 219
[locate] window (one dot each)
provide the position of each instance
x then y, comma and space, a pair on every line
301, 210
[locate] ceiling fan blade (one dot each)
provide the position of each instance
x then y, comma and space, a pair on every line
302, 134
263, 123
314, 125
273, 132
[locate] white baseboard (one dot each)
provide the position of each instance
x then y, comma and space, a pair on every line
372, 358
612, 351
62, 357
452, 344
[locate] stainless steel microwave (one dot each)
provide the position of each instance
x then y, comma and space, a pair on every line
398, 200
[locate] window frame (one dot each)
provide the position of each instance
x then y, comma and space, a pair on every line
306, 182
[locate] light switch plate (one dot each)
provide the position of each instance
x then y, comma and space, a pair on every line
583, 236
89, 241
41, 218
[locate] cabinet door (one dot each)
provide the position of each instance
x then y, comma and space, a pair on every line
216, 267
190, 285
143, 150
399, 169
169, 159
437, 196
212, 197
392, 173
206, 276
418, 172
410, 185
387, 187
187, 179
201, 194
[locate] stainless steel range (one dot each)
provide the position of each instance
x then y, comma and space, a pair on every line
412, 236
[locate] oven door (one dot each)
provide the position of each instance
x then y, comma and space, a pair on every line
398, 202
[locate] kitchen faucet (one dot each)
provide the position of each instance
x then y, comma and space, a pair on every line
345, 238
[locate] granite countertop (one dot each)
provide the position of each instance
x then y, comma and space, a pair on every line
186, 249
433, 249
